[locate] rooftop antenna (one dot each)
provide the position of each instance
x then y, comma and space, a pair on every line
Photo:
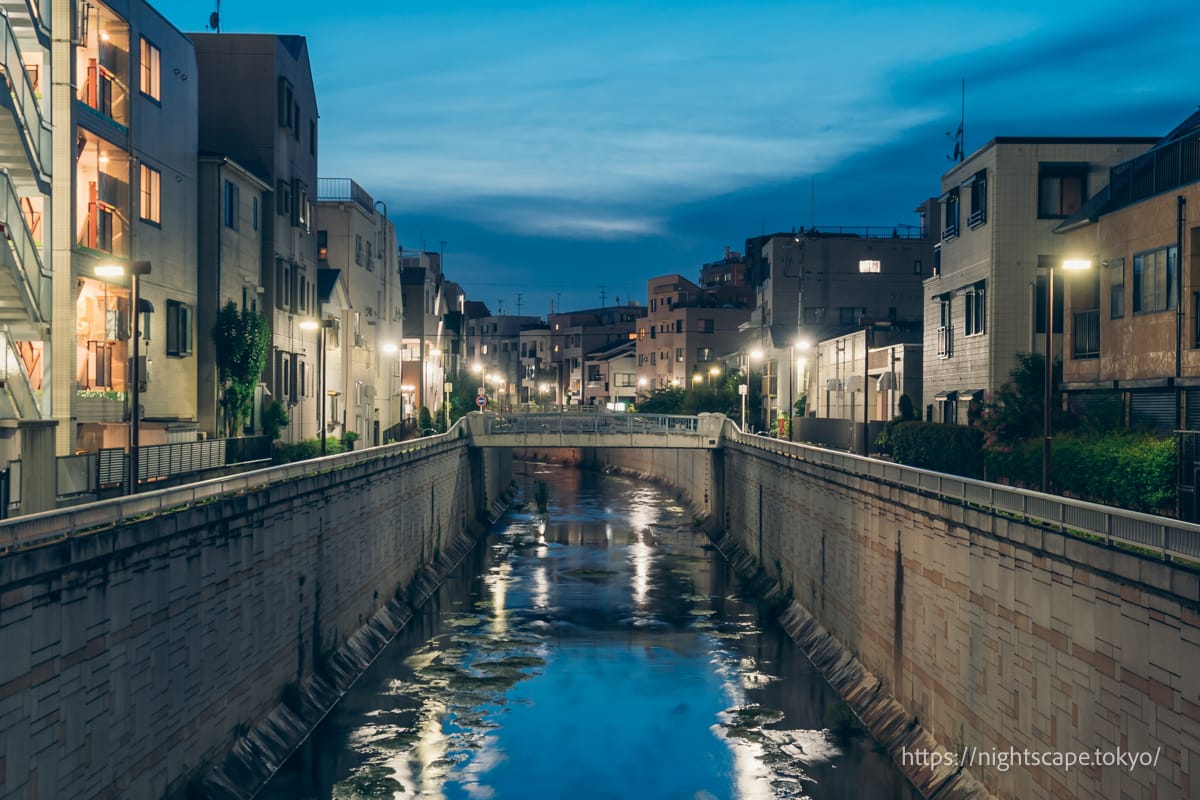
957, 137
603, 296
214, 19
519, 294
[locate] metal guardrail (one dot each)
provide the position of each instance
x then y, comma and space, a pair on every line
590, 423
1170, 538
50, 526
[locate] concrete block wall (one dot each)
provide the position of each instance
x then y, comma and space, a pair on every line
133, 657
990, 632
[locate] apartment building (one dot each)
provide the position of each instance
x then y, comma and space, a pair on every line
821, 283
26, 300
355, 238
985, 300
423, 348
1130, 321
611, 376
494, 353
575, 334
258, 107
125, 191
687, 332
230, 247
539, 374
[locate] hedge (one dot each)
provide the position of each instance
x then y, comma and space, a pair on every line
956, 449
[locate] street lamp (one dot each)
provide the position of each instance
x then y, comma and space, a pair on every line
322, 326
1070, 265
136, 270
802, 345
753, 356
712, 373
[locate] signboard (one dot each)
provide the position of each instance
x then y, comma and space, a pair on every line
481, 401
743, 389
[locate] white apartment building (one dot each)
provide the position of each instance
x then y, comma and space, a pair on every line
986, 299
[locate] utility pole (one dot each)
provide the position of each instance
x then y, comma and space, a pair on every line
603, 296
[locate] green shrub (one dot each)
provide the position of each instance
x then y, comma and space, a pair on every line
1134, 470
274, 419
287, 452
955, 449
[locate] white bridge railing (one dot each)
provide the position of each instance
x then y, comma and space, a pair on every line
1169, 538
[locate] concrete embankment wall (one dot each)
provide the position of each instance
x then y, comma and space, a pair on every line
134, 657
951, 625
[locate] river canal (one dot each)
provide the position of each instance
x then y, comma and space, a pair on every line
600, 650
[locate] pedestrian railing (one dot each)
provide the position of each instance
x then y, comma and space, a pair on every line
1166, 537
49, 526
590, 423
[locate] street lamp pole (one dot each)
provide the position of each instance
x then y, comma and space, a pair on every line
1072, 265
136, 270
320, 326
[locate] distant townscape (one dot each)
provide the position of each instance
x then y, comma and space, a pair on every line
184, 292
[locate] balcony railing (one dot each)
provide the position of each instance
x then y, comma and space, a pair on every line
34, 128
945, 341
14, 383
29, 272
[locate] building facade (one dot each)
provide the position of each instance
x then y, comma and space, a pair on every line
687, 333
985, 300
258, 107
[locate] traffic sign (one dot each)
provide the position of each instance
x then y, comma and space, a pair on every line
481, 401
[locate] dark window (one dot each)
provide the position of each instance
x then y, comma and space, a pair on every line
950, 218
231, 205
1062, 188
977, 184
1116, 292
1154, 277
323, 245
850, 316
704, 326
254, 208
704, 354
179, 328
976, 310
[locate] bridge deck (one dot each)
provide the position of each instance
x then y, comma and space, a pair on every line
594, 430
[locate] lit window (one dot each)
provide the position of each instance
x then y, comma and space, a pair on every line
151, 71
868, 266
151, 195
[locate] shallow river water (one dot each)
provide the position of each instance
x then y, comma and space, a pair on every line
600, 650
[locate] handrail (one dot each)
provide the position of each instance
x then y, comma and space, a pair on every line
1163, 535
621, 423
36, 285
51, 526
29, 111
16, 382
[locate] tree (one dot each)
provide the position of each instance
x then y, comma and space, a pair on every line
1015, 414
242, 340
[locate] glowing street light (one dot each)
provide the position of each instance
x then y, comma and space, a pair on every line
1070, 265
135, 269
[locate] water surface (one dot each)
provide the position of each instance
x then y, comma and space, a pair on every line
602, 649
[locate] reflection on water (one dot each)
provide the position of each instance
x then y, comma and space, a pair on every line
599, 651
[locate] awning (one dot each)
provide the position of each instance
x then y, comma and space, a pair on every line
970, 394
947, 395
855, 384
833, 385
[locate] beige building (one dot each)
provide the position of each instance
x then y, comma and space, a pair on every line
423, 350
230, 253
575, 334
258, 107
986, 299
686, 333
355, 238
125, 191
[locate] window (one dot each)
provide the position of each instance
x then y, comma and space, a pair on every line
179, 328
653, 358
1154, 276
322, 245
254, 207
1116, 292
704, 354
312, 137
976, 310
850, 316
231, 205
1062, 188
283, 198
704, 326
678, 326
950, 210
868, 266
814, 314
977, 186
151, 84
151, 188
917, 267
679, 355
286, 103
358, 251
945, 331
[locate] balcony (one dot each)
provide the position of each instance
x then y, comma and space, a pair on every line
24, 280
24, 132
945, 341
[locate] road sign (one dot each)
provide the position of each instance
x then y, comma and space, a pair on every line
481, 401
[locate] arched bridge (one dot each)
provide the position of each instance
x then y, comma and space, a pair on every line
598, 429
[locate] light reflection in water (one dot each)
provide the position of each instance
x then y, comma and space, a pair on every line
599, 653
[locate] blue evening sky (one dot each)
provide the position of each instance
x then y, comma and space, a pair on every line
569, 148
